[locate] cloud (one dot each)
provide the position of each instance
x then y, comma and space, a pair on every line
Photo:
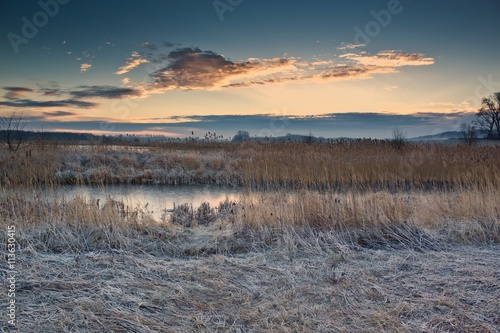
149, 46
49, 89
390, 87
350, 46
58, 113
169, 44
85, 67
389, 59
104, 91
196, 69
28, 103
352, 124
193, 68
16, 92
132, 63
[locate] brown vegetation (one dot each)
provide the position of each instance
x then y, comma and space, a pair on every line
357, 237
364, 164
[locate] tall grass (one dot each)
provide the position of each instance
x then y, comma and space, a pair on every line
448, 191
368, 164
377, 218
364, 164
279, 220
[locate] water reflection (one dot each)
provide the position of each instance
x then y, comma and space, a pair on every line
154, 199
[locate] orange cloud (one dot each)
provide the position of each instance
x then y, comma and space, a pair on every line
132, 63
196, 69
390, 58
85, 67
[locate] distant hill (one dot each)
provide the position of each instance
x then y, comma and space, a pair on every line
449, 135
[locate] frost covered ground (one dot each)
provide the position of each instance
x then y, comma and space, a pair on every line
455, 289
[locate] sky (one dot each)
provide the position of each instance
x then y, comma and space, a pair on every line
327, 68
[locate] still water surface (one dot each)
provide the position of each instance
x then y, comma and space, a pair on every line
154, 199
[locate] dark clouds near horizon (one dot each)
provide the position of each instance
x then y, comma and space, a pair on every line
374, 125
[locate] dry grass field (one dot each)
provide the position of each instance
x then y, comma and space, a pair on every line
341, 237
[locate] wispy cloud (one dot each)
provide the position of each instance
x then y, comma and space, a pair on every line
28, 103
132, 62
16, 92
85, 67
350, 46
58, 113
390, 87
169, 44
149, 46
389, 59
50, 88
104, 91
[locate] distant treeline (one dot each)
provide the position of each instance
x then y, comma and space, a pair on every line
79, 137
53, 136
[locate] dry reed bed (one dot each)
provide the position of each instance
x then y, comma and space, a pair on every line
368, 164
359, 164
461, 215
419, 220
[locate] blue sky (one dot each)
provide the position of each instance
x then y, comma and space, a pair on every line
330, 68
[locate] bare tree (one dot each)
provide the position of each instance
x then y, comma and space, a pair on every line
488, 117
12, 133
399, 139
485, 121
468, 134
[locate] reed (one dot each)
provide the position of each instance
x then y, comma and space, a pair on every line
368, 164
421, 219
373, 219
364, 164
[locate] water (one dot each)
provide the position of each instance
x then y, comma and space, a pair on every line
156, 200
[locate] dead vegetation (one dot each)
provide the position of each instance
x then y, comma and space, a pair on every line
363, 164
453, 290
86, 266
354, 237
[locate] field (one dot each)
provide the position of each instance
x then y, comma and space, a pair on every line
361, 236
